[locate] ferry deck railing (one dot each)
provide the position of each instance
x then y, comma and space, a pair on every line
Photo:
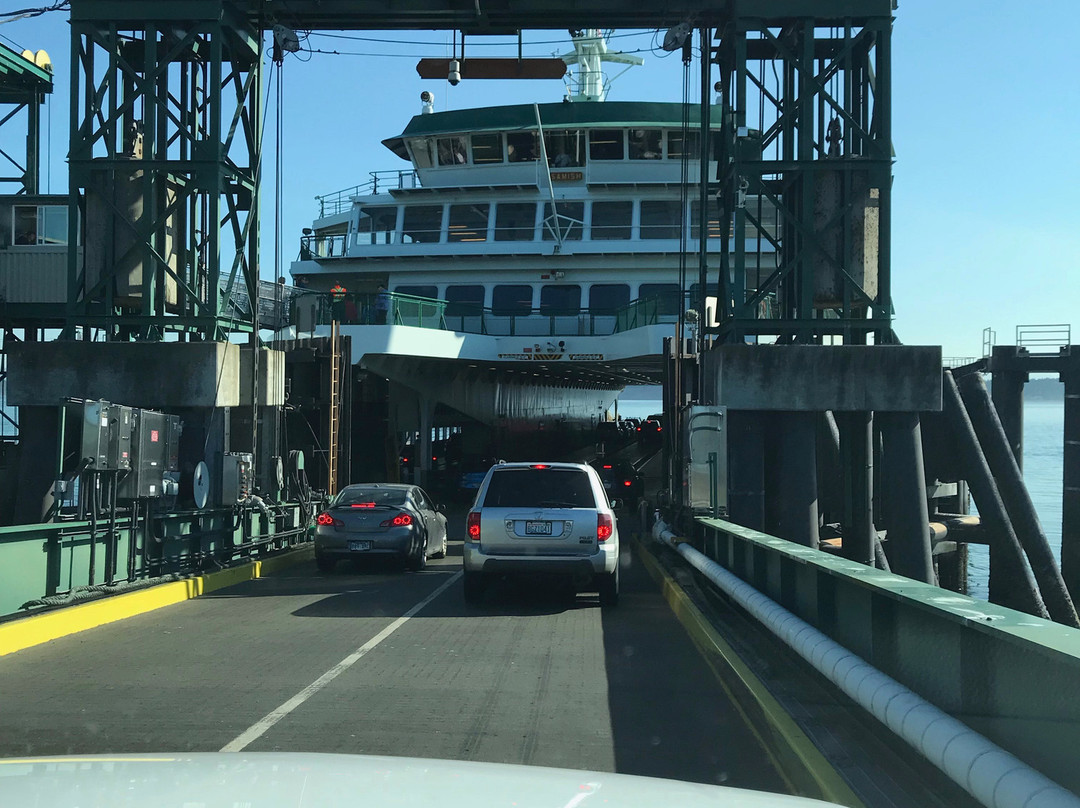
310, 309
379, 182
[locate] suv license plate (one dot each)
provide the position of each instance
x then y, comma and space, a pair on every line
360, 545
538, 528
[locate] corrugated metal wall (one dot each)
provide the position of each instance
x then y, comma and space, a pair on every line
33, 274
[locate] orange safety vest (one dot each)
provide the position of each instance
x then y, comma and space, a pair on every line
338, 293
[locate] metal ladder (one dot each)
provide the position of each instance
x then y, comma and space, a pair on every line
335, 406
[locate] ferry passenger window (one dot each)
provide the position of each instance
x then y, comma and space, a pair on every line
511, 299
571, 216
606, 144
468, 223
565, 149
376, 225
421, 151
676, 143
666, 295
607, 298
611, 220
423, 224
645, 144
431, 292
487, 149
464, 301
521, 147
562, 299
660, 219
714, 219
451, 151
515, 221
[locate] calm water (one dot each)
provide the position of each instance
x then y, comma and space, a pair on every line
1043, 453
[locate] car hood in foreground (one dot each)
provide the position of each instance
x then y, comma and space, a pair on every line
281, 780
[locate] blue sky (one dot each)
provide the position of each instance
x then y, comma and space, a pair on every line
986, 209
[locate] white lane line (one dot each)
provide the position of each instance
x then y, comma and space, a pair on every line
244, 739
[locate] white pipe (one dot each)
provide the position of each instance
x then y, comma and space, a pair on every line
987, 772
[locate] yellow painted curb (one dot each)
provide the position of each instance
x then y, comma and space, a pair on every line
802, 765
38, 629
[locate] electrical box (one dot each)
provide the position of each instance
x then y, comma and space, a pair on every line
237, 477
705, 453
121, 421
90, 421
154, 452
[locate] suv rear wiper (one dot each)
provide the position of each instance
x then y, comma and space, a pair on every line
554, 503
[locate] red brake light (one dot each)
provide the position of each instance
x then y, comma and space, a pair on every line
400, 520
362, 505
659, 428
539, 466
639, 429
604, 526
472, 526
324, 519
607, 467
627, 482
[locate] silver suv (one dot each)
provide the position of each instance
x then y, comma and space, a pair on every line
543, 518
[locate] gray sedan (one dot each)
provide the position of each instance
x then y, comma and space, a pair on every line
380, 519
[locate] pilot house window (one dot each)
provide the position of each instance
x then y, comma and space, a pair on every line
645, 144
487, 149
606, 144
521, 147
452, 151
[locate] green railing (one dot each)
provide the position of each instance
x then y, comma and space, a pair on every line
311, 309
1008, 675
366, 308
64, 558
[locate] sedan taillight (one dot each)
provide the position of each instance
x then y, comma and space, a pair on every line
326, 520
604, 526
472, 526
400, 520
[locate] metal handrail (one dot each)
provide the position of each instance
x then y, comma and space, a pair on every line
361, 308
1048, 335
379, 182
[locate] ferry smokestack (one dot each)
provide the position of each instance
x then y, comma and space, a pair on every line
428, 101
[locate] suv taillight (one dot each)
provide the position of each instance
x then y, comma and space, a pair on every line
472, 526
604, 526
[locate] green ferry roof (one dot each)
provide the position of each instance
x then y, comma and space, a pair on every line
577, 115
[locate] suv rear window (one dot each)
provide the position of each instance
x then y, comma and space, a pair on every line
539, 488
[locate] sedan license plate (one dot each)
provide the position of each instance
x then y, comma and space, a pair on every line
538, 528
360, 545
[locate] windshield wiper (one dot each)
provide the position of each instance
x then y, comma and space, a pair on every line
555, 503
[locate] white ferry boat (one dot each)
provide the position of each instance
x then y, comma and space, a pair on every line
525, 266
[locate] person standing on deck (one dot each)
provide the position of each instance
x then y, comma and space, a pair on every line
337, 300
382, 305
